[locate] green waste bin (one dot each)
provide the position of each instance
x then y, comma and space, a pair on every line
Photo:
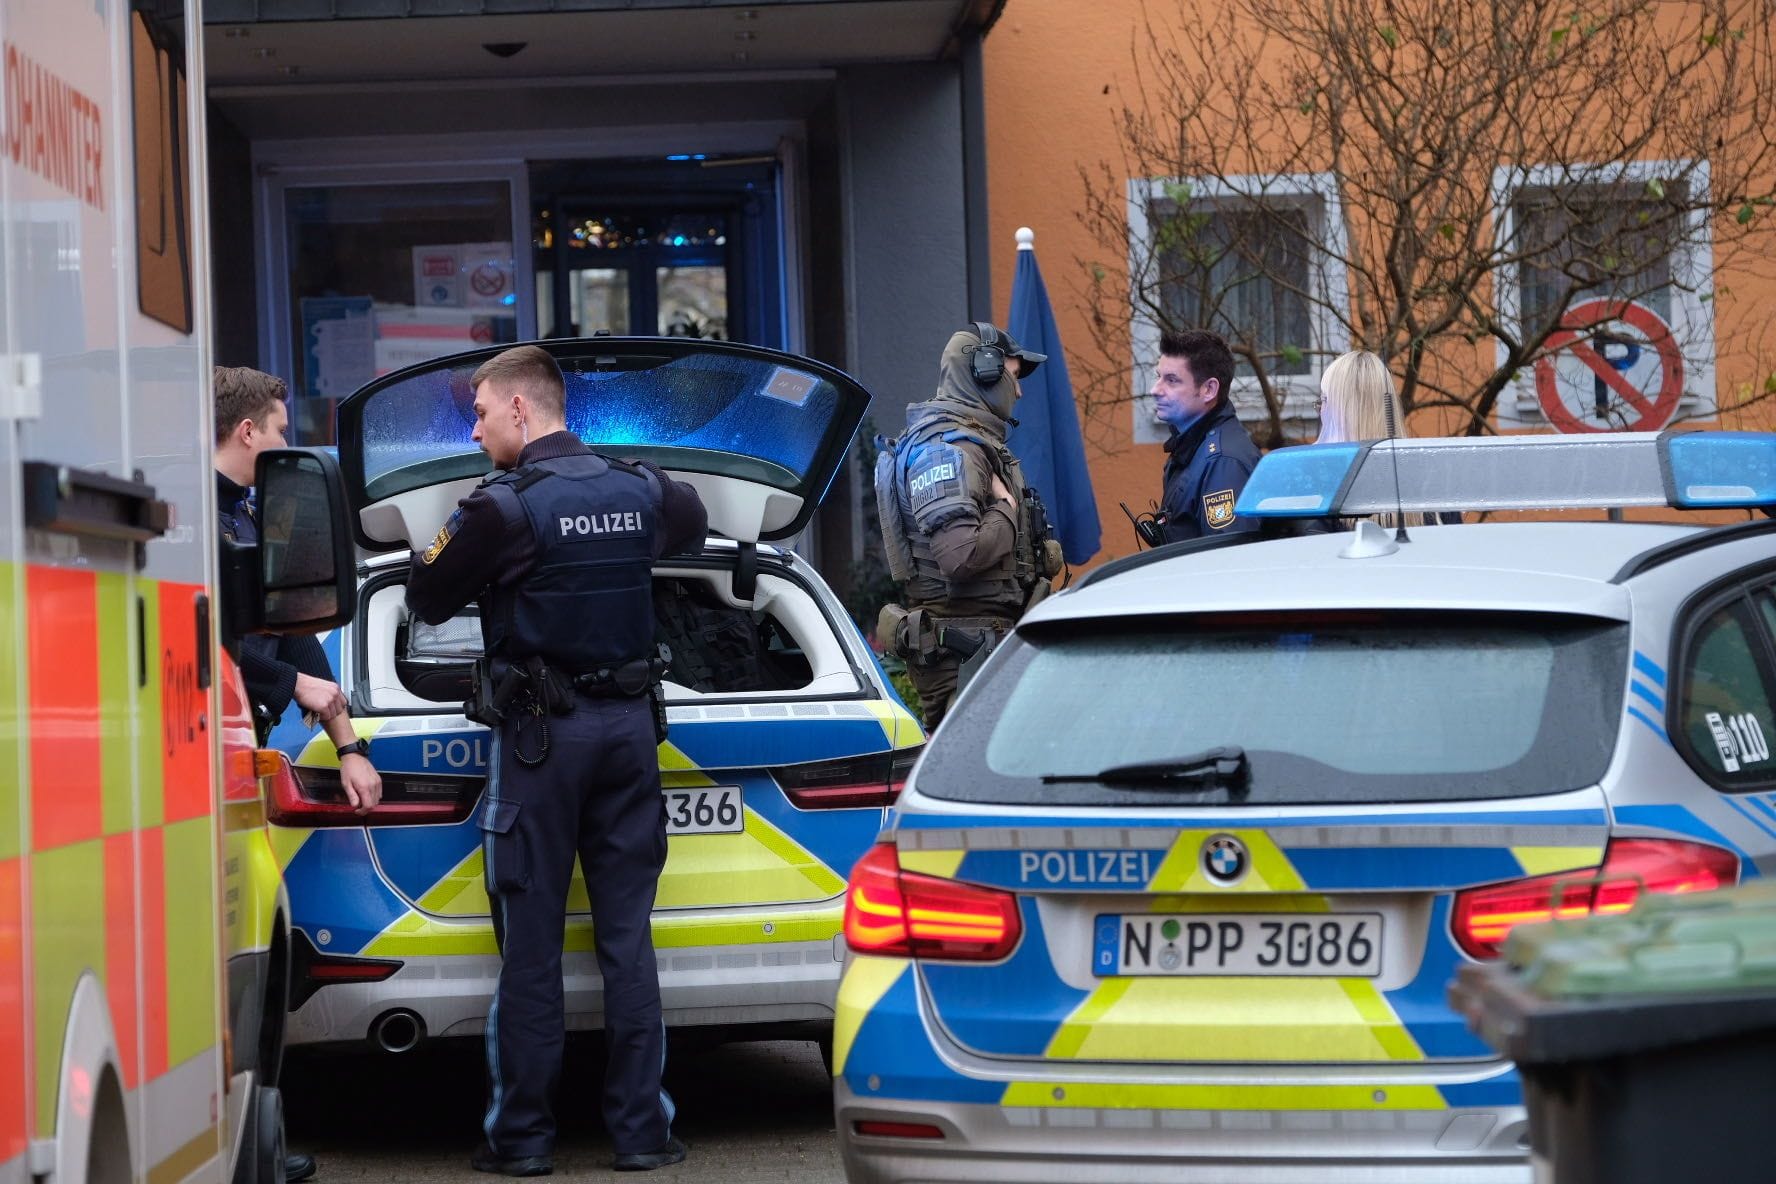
1646, 1040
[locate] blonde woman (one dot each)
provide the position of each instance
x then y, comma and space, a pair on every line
1356, 394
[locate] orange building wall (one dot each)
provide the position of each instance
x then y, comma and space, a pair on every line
1057, 73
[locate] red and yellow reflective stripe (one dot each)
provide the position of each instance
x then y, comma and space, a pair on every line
123, 867
63, 640
120, 952
181, 779
14, 1115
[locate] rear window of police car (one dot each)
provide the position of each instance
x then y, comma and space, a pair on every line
1328, 707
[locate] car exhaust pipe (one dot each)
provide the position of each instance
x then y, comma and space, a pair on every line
397, 1031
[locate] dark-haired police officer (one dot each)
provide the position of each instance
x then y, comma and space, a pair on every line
559, 548
1209, 455
962, 532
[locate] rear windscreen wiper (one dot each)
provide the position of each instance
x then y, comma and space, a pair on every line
1215, 768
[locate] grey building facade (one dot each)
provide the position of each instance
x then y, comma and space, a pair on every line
395, 179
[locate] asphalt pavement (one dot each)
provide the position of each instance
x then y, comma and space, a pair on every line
759, 1113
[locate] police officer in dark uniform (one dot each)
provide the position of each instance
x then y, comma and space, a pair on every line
292, 668
277, 671
1210, 455
559, 548
962, 532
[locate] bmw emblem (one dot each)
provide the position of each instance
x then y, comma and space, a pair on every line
1224, 859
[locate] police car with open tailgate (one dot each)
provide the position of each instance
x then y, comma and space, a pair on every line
1177, 889
787, 742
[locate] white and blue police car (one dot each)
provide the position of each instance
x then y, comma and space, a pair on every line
1176, 891
787, 741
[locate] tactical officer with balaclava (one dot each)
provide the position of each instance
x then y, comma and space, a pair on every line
963, 534
559, 547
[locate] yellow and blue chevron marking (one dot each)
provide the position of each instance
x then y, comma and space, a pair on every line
881, 1048
418, 890
1025, 1008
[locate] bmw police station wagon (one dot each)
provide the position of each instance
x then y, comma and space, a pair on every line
786, 742
1177, 889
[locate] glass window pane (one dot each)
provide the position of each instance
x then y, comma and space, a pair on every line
601, 301
383, 276
1599, 243
1766, 602
162, 143
705, 409
1726, 713
1328, 707
693, 302
1241, 272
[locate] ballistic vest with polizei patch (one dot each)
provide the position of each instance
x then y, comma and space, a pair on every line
588, 602
1008, 582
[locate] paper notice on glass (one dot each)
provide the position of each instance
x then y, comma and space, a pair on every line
339, 344
437, 277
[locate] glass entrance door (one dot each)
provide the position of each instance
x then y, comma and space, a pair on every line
643, 271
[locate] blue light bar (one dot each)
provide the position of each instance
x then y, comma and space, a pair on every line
1299, 482
1714, 470
1678, 470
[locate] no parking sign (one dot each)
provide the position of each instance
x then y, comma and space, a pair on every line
1612, 366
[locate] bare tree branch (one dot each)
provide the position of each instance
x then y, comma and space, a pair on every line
1489, 168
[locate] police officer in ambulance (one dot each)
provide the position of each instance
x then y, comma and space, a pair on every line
1209, 454
962, 532
558, 546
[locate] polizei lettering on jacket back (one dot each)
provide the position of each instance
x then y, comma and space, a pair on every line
587, 603
626, 524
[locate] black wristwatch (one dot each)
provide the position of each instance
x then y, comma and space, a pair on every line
360, 746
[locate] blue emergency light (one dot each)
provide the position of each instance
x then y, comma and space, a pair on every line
1687, 470
1299, 482
1712, 470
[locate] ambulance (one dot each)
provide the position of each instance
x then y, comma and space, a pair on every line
142, 916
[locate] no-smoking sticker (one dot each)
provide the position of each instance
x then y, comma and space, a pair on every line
488, 280
1612, 366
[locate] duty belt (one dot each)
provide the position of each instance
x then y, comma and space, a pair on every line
928, 632
623, 681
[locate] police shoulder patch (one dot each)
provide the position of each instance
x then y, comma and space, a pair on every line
934, 472
1218, 508
443, 536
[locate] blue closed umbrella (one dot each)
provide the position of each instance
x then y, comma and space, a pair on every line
1047, 439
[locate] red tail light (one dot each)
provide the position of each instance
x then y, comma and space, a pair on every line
897, 1130
888, 911
311, 796
310, 970
872, 780
1484, 916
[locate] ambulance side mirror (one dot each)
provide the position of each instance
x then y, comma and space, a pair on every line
301, 577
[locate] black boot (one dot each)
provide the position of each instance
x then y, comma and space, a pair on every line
484, 1160
646, 1161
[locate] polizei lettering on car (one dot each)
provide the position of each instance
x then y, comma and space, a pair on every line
1134, 868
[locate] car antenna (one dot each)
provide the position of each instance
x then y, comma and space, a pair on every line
1400, 535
